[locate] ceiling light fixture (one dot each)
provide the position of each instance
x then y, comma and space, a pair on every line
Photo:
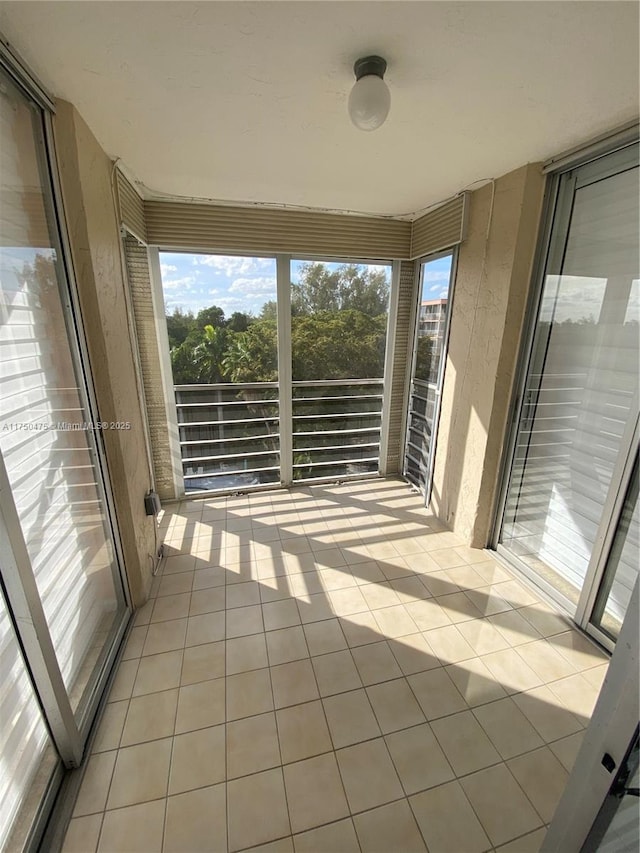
369, 100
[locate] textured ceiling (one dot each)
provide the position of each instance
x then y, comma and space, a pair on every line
246, 101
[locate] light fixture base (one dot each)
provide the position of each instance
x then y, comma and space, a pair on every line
370, 65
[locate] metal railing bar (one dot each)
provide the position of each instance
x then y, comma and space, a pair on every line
217, 403
225, 386
424, 399
335, 447
297, 383
226, 440
418, 449
337, 415
353, 431
227, 423
335, 462
303, 400
230, 473
328, 383
192, 459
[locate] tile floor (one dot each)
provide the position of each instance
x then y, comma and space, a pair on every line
329, 670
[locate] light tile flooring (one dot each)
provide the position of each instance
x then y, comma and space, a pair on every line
329, 670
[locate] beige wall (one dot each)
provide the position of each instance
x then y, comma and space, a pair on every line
490, 294
85, 172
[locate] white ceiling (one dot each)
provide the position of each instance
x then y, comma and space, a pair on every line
246, 101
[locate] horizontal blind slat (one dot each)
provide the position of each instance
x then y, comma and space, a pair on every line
440, 228
131, 208
224, 228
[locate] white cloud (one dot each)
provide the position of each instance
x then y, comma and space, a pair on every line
184, 283
435, 275
234, 266
166, 269
231, 303
572, 298
254, 288
186, 302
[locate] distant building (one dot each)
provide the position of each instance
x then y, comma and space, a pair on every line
432, 319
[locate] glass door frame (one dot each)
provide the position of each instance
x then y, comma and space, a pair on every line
612, 514
411, 362
555, 223
610, 731
620, 789
69, 731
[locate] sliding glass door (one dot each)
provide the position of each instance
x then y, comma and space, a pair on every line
429, 356
578, 422
63, 606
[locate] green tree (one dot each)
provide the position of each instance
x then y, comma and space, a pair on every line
239, 321
211, 316
338, 332
253, 355
209, 354
338, 345
269, 311
183, 365
179, 325
198, 359
350, 286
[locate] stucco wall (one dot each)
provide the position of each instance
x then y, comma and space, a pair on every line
85, 173
491, 287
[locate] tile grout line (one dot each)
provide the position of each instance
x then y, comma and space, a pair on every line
310, 657
333, 751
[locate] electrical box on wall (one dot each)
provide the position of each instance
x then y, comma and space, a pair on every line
152, 503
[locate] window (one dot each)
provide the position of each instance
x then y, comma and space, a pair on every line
429, 355
338, 339
270, 389
221, 316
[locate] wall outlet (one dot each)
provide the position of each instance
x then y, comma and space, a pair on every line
152, 503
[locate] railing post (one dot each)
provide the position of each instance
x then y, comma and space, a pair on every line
283, 266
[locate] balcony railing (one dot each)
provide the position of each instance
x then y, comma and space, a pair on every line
230, 433
422, 407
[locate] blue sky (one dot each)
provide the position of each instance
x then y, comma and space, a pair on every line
192, 282
435, 279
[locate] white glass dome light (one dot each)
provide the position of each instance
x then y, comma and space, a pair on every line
369, 100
